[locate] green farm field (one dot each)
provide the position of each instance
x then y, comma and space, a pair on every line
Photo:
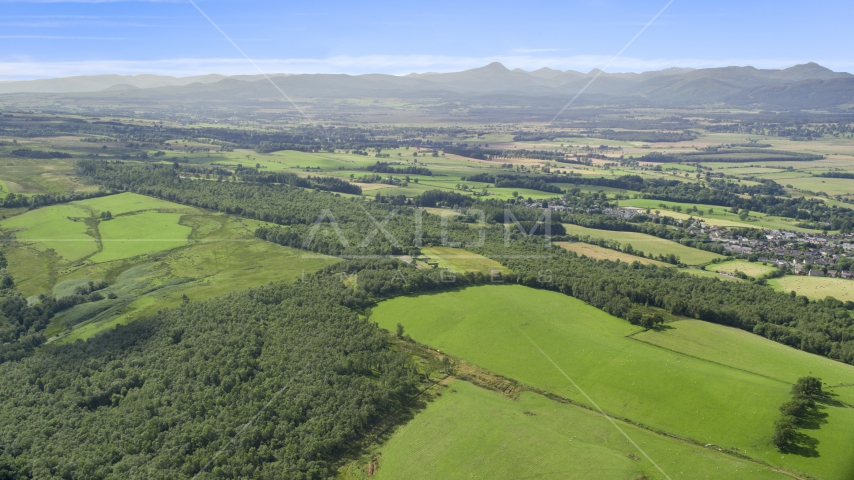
648, 244
816, 288
74, 233
745, 351
133, 235
469, 432
151, 252
459, 260
751, 269
687, 395
61, 229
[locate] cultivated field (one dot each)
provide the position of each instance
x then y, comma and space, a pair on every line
815, 287
751, 269
647, 244
459, 260
683, 394
602, 253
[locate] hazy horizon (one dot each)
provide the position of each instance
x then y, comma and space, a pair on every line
250, 73
57, 38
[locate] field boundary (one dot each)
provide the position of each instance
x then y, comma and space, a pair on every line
632, 337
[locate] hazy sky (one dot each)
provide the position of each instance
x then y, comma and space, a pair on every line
57, 38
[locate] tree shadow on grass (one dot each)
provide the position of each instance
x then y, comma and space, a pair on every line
662, 328
814, 418
829, 400
803, 445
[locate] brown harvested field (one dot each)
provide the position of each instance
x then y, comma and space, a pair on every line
600, 253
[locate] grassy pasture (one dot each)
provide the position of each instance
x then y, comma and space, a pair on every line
74, 232
459, 260
679, 393
601, 253
815, 287
831, 186
61, 229
144, 233
744, 351
751, 269
469, 432
150, 253
125, 203
648, 244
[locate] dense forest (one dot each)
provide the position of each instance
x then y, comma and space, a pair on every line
39, 154
160, 397
479, 153
44, 199
330, 184
515, 181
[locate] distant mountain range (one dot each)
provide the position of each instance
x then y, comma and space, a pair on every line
802, 87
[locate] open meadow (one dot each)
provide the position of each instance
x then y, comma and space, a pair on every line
459, 260
816, 288
469, 432
517, 332
751, 269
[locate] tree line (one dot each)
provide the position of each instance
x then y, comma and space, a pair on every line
331, 184
385, 167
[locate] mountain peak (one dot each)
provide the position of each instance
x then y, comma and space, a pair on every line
811, 67
496, 66
810, 70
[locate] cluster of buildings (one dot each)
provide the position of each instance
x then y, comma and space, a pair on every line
804, 253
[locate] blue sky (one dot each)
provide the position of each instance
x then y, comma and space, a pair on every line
58, 38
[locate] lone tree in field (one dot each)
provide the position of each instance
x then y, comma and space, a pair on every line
808, 386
